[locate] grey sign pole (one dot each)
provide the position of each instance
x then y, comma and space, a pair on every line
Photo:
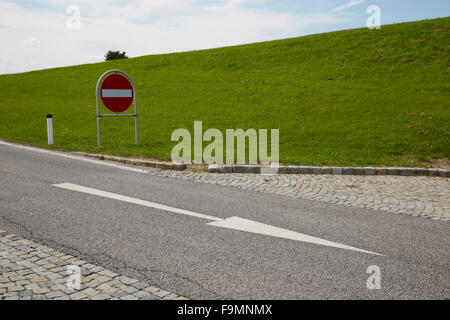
103, 76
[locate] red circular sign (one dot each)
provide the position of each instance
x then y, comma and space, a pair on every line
117, 93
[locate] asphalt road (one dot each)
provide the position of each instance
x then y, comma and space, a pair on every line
185, 255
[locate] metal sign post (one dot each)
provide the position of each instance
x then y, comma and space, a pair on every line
117, 94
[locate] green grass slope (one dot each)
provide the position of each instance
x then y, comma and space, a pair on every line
356, 97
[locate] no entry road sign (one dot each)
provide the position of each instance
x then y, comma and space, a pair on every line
117, 93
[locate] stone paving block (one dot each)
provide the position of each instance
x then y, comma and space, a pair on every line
393, 171
24, 272
88, 278
170, 296
90, 292
86, 272
305, 169
140, 285
119, 294
161, 293
15, 288
97, 269
443, 173
22, 282
104, 286
31, 286
17, 267
227, 169
214, 168
141, 294
45, 284
40, 290
54, 294
92, 284
101, 297
129, 297
269, 170
252, 169
283, 170
152, 289
347, 171
38, 269
108, 273
327, 170
77, 296
407, 172
293, 170
110, 291
369, 171
238, 169
102, 279
88, 266
60, 280
26, 263
126, 280
11, 294
53, 276
130, 289
317, 170
421, 172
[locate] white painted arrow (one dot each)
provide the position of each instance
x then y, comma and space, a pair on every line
234, 223
242, 224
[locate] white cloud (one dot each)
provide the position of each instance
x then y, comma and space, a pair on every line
139, 27
348, 5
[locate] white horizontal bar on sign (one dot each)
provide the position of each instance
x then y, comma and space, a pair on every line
116, 93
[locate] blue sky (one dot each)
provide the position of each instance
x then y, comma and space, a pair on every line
36, 34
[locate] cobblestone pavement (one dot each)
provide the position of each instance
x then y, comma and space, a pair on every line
30, 271
427, 197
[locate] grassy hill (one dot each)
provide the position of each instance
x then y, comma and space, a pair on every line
356, 97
